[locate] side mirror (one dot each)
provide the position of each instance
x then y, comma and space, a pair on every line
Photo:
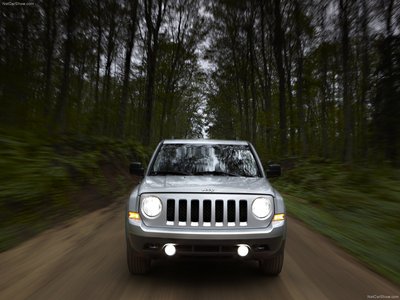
273, 170
136, 168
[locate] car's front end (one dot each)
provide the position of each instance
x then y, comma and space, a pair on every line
175, 215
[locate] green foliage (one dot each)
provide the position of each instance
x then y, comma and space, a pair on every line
39, 178
358, 207
249, 101
63, 69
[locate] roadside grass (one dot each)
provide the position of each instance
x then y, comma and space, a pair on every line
358, 207
43, 181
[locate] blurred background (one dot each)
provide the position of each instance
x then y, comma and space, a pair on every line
87, 86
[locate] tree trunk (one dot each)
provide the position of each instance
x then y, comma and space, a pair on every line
344, 10
278, 48
364, 81
268, 62
171, 80
287, 62
81, 83
107, 75
98, 62
299, 92
250, 37
50, 37
267, 77
246, 103
127, 68
151, 50
25, 69
238, 90
62, 105
387, 99
324, 111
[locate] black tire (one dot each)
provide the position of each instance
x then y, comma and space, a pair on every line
273, 265
137, 264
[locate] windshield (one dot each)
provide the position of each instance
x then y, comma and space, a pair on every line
216, 160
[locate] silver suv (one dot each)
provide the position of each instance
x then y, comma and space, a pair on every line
205, 198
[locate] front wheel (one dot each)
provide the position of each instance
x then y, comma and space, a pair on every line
137, 264
273, 265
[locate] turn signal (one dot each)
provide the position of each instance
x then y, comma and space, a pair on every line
133, 215
279, 217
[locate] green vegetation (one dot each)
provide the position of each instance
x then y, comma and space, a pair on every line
307, 78
42, 181
85, 67
358, 207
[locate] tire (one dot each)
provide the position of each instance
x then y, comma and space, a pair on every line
273, 265
137, 264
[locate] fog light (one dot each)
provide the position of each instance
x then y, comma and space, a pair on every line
170, 249
243, 250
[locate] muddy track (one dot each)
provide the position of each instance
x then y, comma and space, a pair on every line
85, 259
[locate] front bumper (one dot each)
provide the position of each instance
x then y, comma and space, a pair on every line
263, 242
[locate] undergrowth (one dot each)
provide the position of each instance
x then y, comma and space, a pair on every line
40, 178
358, 206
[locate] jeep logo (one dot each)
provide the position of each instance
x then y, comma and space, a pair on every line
207, 190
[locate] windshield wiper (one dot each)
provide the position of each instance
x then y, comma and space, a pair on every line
170, 173
217, 173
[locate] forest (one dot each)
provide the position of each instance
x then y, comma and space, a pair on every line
296, 78
314, 84
308, 78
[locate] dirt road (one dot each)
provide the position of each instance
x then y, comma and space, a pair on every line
86, 260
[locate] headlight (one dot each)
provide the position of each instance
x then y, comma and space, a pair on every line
262, 207
151, 206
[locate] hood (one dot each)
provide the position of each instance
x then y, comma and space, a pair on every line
206, 184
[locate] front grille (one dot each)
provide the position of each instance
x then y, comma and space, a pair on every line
195, 212
219, 211
231, 211
243, 210
170, 210
207, 211
182, 210
202, 211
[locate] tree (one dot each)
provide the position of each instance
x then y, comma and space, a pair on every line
321, 75
99, 27
344, 10
278, 49
112, 15
387, 97
127, 65
62, 104
153, 24
49, 41
299, 92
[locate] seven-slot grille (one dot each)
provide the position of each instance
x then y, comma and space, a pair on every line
195, 212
